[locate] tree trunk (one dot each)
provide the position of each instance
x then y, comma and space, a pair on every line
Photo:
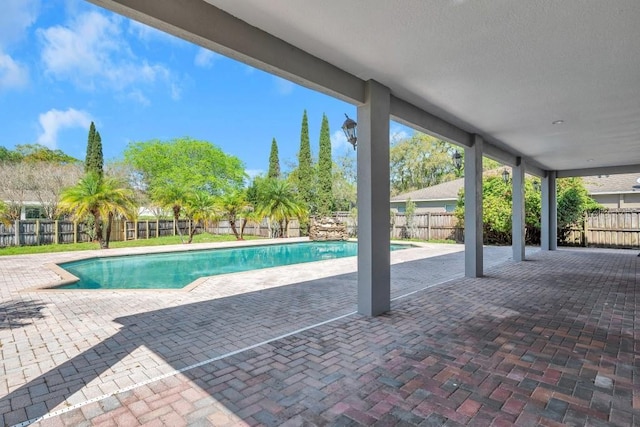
286, 228
232, 224
98, 228
244, 224
193, 232
107, 238
176, 216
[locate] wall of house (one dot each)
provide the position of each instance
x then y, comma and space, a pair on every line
631, 200
618, 201
427, 206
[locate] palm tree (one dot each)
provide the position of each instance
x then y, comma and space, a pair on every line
234, 205
172, 197
98, 198
199, 207
278, 201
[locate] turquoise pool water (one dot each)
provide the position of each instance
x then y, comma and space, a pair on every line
175, 270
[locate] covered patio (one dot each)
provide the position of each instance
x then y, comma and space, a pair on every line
550, 341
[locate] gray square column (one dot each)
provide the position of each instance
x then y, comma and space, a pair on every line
518, 230
374, 259
473, 209
549, 214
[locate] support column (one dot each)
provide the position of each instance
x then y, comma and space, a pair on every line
518, 230
549, 214
374, 259
473, 208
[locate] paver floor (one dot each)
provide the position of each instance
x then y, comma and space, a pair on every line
550, 341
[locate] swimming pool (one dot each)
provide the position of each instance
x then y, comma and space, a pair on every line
175, 270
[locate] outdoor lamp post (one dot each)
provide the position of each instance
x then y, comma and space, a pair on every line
349, 128
505, 176
457, 160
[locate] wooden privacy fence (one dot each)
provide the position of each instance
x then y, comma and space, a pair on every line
423, 226
615, 228
619, 228
42, 232
252, 228
45, 232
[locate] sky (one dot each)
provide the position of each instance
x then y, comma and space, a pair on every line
65, 63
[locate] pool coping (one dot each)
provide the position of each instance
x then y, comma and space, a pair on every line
67, 278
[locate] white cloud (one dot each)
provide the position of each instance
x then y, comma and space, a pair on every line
12, 74
53, 121
92, 52
16, 17
139, 97
397, 134
283, 87
339, 142
205, 58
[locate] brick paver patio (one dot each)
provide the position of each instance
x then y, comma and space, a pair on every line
551, 341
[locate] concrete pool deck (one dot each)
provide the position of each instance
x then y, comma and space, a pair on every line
513, 347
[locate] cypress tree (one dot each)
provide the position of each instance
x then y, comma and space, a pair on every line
94, 161
90, 149
305, 169
99, 159
325, 191
274, 161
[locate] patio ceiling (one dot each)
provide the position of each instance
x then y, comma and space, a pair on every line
500, 68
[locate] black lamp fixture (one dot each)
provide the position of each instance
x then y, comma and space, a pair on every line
457, 160
505, 176
349, 128
536, 185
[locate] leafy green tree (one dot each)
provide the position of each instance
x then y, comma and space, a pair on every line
94, 161
274, 161
199, 207
9, 156
305, 166
573, 202
420, 161
99, 199
187, 163
234, 206
344, 183
277, 200
32, 153
325, 178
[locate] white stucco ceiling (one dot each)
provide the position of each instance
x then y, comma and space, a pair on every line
503, 68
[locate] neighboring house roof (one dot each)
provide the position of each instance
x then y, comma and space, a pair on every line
598, 184
612, 184
443, 191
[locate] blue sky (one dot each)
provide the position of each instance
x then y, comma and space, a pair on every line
65, 63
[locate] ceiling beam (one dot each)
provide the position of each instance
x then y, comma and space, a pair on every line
416, 118
610, 170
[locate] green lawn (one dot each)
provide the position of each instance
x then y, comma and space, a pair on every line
168, 240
